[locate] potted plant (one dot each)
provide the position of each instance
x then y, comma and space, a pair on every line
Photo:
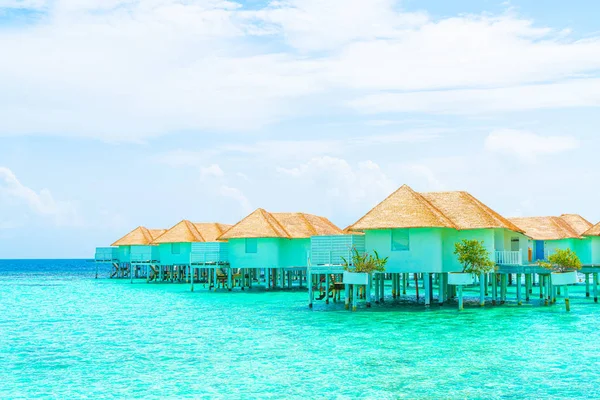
474, 258
359, 268
563, 265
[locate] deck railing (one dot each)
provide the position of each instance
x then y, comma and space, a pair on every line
106, 254
509, 257
148, 254
209, 253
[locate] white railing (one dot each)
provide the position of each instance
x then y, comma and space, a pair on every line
509, 257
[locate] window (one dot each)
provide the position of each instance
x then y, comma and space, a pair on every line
175, 248
251, 245
514, 244
400, 240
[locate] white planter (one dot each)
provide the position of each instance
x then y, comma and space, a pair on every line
564, 278
355, 278
460, 278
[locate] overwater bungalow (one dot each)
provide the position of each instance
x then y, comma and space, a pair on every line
180, 245
136, 246
275, 244
418, 231
593, 234
549, 234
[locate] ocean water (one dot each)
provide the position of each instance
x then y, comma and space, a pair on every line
64, 334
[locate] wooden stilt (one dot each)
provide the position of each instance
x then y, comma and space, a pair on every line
368, 291
427, 287
382, 287
441, 288
482, 290
527, 286
326, 288
310, 289
346, 296
567, 305
595, 278
404, 283
587, 285
494, 288
354, 297
417, 286
519, 302
460, 297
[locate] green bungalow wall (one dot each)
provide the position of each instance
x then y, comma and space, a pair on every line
175, 253
432, 249
584, 248
268, 253
594, 250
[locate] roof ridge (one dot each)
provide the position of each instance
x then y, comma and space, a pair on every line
494, 214
308, 223
567, 227
188, 223
278, 223
431, 205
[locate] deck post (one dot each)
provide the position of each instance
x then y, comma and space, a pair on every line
310, 289
567, 305
382, 287
404, 282
354, 297
427, 287
486, 278
541, 285
519, 302
482, 289
543, 288
494, 288
417, 286
282, 278
130, 273
503, 282
368, 291
268, 277
587, 285
229, 279
216, 278
346, 296
192, 279
326, 288
441, 291
460, 297
527, 286
595, 276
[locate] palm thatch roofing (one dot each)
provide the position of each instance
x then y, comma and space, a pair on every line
593, 231
139, 236
567, 226
263, 224
187, 232
406, 208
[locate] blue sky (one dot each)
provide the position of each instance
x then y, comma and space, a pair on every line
119, 113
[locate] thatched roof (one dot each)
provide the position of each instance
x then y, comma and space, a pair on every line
139, 236
593, 231
186, 232
577, 222
567, 226
466, 212
406, 208
263, 224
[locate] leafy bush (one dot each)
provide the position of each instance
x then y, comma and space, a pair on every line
473, 256
562, 261
365, 262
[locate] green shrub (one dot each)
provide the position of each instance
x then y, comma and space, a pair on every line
473, 256
365, 262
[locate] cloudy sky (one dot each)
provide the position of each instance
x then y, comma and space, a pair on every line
119, 113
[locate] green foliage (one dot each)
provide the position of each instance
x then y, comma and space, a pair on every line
562, 261
365, 262
473, 256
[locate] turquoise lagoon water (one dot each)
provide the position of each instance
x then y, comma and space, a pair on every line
64, 334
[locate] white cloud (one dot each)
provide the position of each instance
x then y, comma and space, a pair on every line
14, 193
237, 195
568, 94
527, 145
212, 170
336, 181
131, 70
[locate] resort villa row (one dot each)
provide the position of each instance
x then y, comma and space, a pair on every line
417, 232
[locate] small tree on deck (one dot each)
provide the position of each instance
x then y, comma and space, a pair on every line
562, 261
473, 256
